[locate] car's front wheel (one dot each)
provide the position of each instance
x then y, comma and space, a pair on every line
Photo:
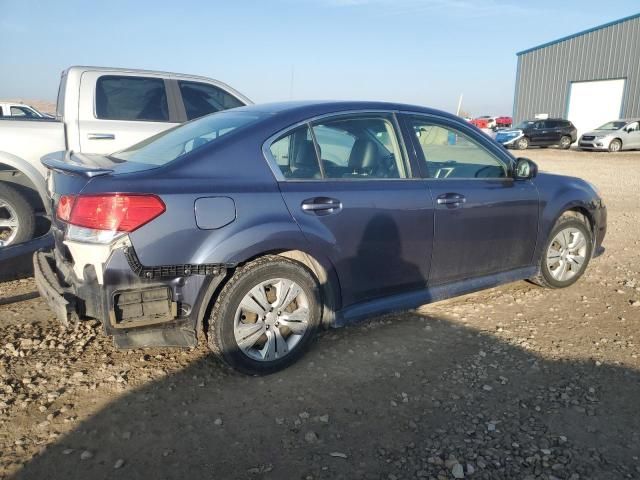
615, 145
523, 143
566, 255
265, 316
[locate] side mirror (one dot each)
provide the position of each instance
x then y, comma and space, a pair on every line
525, 169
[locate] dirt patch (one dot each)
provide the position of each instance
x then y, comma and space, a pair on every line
514, 382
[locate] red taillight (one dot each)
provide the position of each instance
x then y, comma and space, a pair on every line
65, 205
115, 212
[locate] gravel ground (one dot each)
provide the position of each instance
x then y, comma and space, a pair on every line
516, 382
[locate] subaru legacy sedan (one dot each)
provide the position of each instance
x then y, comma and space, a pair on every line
257, 226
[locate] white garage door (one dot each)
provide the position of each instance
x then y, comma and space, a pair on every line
592, 104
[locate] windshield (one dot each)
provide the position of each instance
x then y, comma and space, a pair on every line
612, 126
525, 124
175, 142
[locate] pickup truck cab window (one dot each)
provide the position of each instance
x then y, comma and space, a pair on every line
202, 99
23, 112
131, 98
449, 153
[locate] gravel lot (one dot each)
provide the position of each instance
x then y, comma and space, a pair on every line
515, 382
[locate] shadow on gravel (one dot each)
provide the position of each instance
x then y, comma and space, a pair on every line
393, 399
19, 298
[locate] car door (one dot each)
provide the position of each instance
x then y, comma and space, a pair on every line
632, 139
118, 110
485, 222
543, 133
359, 207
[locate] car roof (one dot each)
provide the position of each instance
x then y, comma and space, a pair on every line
312, 108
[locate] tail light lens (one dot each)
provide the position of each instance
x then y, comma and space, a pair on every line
113, 212
65, 205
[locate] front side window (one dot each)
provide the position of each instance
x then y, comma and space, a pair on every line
131, 98
633, 127
449, 153
202, 99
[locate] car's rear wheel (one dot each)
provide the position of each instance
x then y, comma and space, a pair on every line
566, 255
265, 316
523, 143
615, 145
17, 217
565, 142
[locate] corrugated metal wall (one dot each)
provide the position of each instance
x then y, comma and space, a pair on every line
545, 74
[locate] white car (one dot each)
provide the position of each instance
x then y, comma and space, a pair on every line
20, 110
99, 110
613, 136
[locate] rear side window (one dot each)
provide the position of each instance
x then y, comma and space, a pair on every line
131, 98
359, 148
295, 155
201, 99
350, 147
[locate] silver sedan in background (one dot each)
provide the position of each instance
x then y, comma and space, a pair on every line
613, 136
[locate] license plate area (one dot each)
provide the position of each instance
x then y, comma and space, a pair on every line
136, 308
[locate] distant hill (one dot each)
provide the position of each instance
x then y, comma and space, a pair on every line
40, 105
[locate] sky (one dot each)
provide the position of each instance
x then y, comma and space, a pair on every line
425, 52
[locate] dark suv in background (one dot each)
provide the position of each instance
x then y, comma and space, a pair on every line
540, 133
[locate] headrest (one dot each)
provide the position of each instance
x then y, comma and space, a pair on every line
306, 155
364, 154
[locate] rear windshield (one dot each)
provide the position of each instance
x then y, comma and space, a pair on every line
178, 141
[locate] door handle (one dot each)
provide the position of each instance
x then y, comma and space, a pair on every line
101, 136
321, 206
452, 199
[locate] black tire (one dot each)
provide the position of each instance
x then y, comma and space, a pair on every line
565, 142
221, 338
544, 278
615, 145
523, 143
23, 211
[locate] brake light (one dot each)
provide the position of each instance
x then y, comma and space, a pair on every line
113, 212
65, 205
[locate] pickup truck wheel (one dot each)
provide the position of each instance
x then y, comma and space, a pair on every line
265, 316
566, 254
523, 143
615, 145
565, 142
17, 217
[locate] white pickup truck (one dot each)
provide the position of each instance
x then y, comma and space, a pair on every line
99, 110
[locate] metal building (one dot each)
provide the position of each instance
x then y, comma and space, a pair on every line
590, 77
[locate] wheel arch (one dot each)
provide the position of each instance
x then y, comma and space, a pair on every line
322, 270
576, 208
35, 179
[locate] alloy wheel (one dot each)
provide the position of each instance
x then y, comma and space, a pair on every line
9, 223
566, 254
271, 319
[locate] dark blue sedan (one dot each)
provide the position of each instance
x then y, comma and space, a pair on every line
259, 225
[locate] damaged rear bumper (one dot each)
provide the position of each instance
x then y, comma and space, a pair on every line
137, 307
